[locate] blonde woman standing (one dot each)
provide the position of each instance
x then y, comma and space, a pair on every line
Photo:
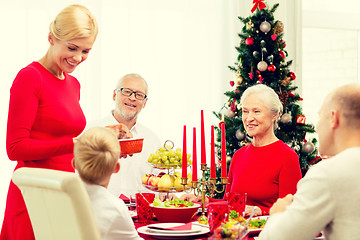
44, 111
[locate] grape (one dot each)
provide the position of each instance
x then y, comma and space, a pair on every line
167, 157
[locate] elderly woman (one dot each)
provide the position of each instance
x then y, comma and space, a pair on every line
267, 168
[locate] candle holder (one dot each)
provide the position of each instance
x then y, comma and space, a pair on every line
209, 186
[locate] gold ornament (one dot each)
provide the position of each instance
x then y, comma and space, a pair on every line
249, 25
238, 106
285, 81
239, 80
279, 28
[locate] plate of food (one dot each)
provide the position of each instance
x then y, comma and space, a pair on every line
195, 230
256, 224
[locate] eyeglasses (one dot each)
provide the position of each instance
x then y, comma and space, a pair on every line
128, 92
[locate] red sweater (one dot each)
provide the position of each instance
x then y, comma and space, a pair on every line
44, 117
264, 173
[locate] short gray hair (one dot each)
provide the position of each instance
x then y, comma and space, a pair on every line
268, 95
135, 75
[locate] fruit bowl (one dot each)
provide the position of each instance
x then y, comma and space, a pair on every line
131, 145
175, 214
167, 189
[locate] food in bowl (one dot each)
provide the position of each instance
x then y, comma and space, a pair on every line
177, 210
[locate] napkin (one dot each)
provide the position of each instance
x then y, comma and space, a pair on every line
186, 226
124, 198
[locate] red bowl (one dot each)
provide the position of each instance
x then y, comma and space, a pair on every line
131, 145
175, 215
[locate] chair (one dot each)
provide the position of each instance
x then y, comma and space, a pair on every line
58, 204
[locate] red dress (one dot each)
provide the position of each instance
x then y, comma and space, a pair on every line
44, 117
264, 173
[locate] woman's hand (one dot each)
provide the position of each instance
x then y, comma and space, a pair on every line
249, 209
193, 198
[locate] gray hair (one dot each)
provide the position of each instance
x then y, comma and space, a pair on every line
268, 95
135, 75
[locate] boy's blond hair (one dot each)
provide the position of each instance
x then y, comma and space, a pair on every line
96, 154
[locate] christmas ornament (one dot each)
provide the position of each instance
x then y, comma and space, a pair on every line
292, 75
265, 27
279, 28
285, 81
291, 94
274, 37
282, 43
271, 68
256, 54
233, 106
249, 25
283, 96
301, 119
262, 43
239, 135
282, 54
260, 79
232, 83
238, 106
258, 4
228, 159
262, 66
251, 75
249, 41
286, 118
229, 113
308, 147
264, 50
239, 79
270, 59
297, 148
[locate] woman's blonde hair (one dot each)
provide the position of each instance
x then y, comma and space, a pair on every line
96, 153
74, 21
269, 96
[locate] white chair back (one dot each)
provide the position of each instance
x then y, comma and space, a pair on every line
58, 204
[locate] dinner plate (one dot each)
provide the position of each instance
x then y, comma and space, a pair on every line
174, 234
256, 230
169, 225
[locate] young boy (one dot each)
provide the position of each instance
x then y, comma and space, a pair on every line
96, 155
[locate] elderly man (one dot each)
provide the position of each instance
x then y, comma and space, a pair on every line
130, 97
327, 198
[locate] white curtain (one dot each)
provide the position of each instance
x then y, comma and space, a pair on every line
181, 47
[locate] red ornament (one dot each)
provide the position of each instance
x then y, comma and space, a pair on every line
291, 94
249, 41
301, 119
282, 54
251, 75
292, 75
232, 83
282, 42
271, 68
274, 37
232, 105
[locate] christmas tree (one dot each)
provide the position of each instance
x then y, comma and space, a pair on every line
262, 60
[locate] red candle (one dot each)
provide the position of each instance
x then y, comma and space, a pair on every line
223, 152
212, 162
194, 162
184, 156
203, 150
